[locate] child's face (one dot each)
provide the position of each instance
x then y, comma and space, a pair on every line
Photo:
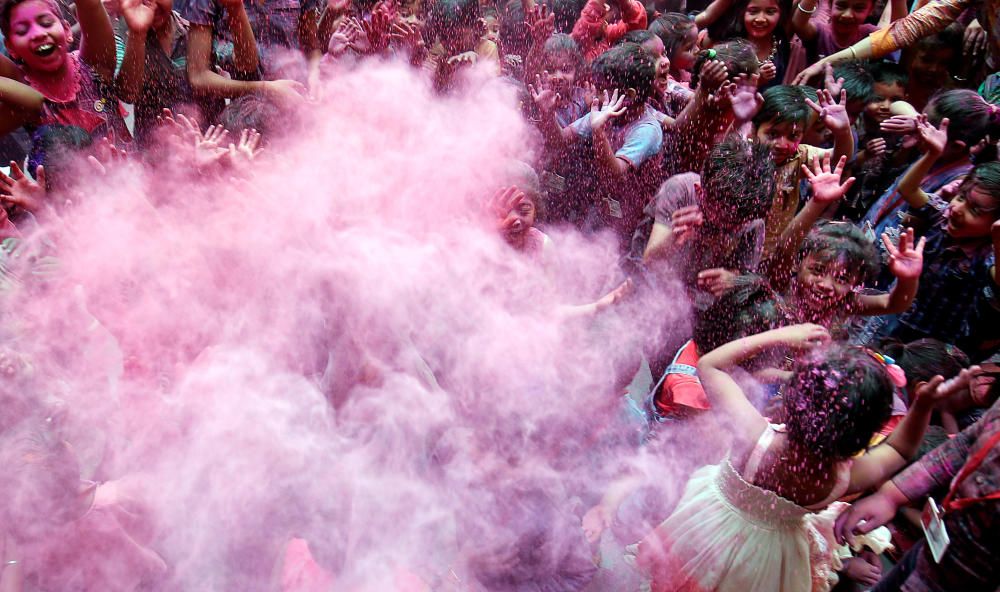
562, 73
847, 15
971, 213
823, 286
929, 68
655, 48
38, 36
492, 26
880, 107
783, 138
817, 134
761, 18
686, 53
518, 220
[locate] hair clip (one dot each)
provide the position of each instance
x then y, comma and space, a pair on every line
896, 374
711, 54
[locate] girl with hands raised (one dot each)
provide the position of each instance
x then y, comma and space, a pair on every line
740, 520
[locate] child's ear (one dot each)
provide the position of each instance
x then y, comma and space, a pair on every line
631, 93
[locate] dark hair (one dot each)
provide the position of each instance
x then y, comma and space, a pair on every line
783, 104
971, 118
858, 80
638, 36
560, 43
733, 24
738, 178
744, 310
949, 39
58, 148
926, 358
445, 15
625, 66
10, 5
837, 400
252, 111
566, 13
844, 243
886, 72
985, 177
737, 54
672, 28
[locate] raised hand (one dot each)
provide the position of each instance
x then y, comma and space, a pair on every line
744, 98
604, 111
826, 185
408, 35
244, 151
138, 14
804, 336
875, 147
344, 37
21, 190
833, 114
684, 223
289, 92
806, 75
768, 71
210, 148
543, 95
899, 124
832, 84
468, 57
937, 390
717, 281
542, 22
907, 260
379, 27
933, 140
106, 157
503, 201
713, 73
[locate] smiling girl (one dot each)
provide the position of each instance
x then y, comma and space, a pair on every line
47, 84
764, 23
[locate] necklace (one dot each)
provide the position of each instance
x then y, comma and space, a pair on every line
774, 50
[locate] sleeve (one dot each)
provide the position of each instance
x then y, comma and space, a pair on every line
199, 12
643, 142
932, 212
932, 18
633, 18
675, 193
588, 26
582, 127
938, 467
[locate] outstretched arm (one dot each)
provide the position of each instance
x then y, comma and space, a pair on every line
715, 368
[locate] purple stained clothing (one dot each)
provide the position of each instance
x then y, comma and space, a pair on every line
638, 143
94, 108
825, 44
275, 24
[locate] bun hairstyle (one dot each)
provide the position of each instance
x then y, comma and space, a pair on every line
737, 54
837, 400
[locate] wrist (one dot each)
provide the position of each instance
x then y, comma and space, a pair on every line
891, 493
137, 34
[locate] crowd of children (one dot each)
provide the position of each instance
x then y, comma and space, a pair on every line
820, 178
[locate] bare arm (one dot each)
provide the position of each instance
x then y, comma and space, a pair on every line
245, 55
204, 81
801, 22
712, 13
97, 38
715, 367
139, 18
19, 104
886, 459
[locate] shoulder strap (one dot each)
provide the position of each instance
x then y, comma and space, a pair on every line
757, 454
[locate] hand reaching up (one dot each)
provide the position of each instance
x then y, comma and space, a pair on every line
21, 190
826, 185
907, 260
607, 109
833, 114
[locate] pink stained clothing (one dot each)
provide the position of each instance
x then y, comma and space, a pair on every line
94, 108
536, 244
729, 535
595, 36
933, 18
